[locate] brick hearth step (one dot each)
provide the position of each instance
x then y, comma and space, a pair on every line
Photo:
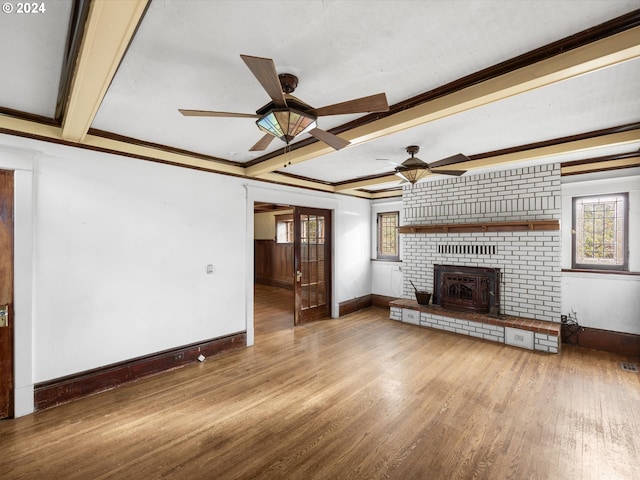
517, 331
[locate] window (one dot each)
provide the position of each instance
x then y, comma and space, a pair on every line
388, 236
600, 232
312, 227
284, 228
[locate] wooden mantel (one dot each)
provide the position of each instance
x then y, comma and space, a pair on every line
510, 226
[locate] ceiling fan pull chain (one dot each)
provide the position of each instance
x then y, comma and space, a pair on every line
287, 153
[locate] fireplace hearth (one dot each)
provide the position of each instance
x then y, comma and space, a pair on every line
469, 289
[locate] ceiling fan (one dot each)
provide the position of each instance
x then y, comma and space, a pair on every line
286, 116
414, 169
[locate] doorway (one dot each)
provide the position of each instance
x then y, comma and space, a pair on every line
6, 294
292, 266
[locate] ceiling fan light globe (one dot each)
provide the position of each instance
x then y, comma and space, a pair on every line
402, 176
286, 123
412, 174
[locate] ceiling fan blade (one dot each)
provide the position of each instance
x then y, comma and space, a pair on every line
329, 138
389, 162
370, 104
460, 157
457, 173
209, 113
402, 179
263, 143
265, 72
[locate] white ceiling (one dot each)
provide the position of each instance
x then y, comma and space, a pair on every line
31, 55
186, 54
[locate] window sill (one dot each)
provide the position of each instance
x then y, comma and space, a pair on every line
605, 272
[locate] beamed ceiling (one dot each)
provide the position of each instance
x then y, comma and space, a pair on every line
505, 82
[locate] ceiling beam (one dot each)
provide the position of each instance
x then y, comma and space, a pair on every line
122, 147
575, 146
629, 162
539, 153
310, 184
14, 125
600, 54
368, 183
40, 131
297, 182
387, 194
108, 32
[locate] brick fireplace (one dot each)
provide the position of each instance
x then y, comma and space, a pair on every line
503, 221
528, 258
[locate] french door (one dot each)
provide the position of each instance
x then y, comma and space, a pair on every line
312, 264
6, 293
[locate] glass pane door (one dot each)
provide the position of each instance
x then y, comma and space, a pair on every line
312, 263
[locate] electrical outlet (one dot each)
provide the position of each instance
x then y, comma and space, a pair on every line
178, 356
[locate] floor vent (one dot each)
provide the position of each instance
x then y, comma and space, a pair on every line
629, 367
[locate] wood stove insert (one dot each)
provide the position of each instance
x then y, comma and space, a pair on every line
469, 289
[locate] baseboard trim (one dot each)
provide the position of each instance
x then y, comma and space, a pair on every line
606, 340
354, 305
72, 387
381, 301
365, 301
274, 283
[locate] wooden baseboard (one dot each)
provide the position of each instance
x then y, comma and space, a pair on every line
72, 387
381, 301
606, 340
354, 305
366, 301
274, 283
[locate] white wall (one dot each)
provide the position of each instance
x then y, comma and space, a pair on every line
111, 256
122, 248
603, 300
386, 277
352, 244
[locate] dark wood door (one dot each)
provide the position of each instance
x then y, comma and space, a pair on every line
6, 294
312, 262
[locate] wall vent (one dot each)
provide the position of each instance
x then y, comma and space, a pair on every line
411, 316
629, 367
468, 249
518, 338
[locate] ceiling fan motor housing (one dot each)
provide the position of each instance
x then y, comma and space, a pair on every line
413, 149
289, 82
414, 162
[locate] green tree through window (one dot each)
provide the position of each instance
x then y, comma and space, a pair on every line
600, 231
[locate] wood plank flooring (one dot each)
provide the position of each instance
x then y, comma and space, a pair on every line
361, 397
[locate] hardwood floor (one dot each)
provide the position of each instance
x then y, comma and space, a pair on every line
361, 397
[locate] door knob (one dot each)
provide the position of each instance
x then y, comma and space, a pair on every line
298, 276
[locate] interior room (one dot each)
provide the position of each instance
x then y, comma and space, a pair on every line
320, 239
